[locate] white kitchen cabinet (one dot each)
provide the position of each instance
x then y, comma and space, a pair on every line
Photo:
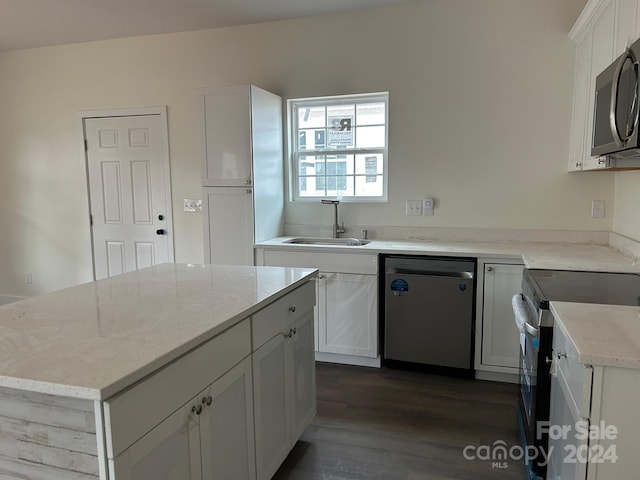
171, 451
602, 31
594, 416
242, 152
210, 437
347, 307
626, 28
226, 426
283, 378
582, 86
497, 337
228, 234
347, 312
180, 443
570, 404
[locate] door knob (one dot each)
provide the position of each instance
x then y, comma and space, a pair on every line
161, 231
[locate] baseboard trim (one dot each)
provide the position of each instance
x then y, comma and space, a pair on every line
348, 359
497, 377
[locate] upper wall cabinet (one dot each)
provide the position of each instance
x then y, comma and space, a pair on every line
603, 31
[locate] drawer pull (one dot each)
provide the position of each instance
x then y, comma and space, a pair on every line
294, 331
561, 355
292, 308
207, 400
197, 409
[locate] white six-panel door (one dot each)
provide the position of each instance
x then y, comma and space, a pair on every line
128, 185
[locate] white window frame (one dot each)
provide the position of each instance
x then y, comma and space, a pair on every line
294, 153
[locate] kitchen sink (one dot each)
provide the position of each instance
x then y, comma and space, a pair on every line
346, 242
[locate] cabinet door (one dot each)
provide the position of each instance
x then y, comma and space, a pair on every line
171, 451
626, 26
500, 336
581, 99
601, 58
227, 136
271, 387
226, 426
303, 402
228, 225
566, 451
348, 314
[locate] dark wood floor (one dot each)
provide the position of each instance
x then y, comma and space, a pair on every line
381, 424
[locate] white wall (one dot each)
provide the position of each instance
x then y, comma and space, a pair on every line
627, 205
480, 95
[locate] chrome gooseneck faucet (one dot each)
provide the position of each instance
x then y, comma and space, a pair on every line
337, 229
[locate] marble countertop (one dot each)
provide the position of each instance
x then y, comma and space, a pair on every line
547, 256
93, 340
604, 335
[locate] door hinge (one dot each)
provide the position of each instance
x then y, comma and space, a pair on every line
86, 145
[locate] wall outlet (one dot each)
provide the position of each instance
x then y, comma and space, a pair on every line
414, 207
427, 207
191, 205
597, 209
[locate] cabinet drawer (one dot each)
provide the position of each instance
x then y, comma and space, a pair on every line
576, 376
280, 315
133, 413
325, 262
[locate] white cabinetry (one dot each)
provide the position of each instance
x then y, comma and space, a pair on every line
228, 234
283, 377
162, 427
347, 324
602, 32
497, 337
194, 419
242, 171
347, 305
594, 416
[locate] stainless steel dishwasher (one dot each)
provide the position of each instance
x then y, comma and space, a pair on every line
429, 312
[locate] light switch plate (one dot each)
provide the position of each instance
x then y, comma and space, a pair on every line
191, 205
414, 207
597, 209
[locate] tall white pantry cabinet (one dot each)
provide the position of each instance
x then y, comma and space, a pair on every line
242, 171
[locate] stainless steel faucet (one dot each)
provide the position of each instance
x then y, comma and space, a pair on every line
337, 229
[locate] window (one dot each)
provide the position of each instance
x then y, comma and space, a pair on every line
338, 147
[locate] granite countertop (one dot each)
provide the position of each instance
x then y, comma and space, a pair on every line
548, 256
604, 335
93, 340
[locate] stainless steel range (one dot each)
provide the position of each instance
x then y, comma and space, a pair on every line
535, 323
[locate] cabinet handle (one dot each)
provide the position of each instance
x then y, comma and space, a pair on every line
489, 269
196, 409
248, 190
561, 355
247, 181
548, 360
320, 277
294, 330
207, 400
292, 308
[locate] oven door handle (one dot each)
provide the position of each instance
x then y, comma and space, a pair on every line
531, 330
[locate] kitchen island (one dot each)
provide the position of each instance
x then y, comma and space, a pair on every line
175, 371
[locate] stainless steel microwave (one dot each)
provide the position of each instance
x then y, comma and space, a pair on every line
615, 118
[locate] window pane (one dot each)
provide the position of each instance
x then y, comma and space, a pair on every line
311, 139
370, 164
311, 186
370, 114
310, 117
366, 188
370, 137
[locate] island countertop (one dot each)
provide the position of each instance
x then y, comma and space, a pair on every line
93, 340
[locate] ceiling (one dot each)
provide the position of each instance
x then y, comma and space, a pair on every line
38, 23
